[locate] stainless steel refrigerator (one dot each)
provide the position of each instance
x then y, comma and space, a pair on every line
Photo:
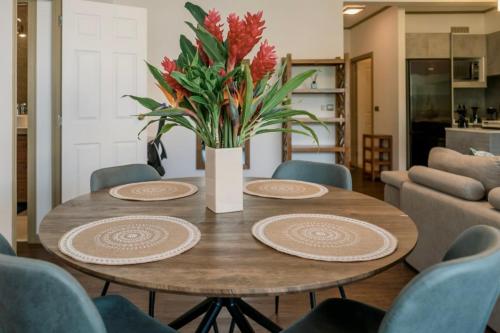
429, 106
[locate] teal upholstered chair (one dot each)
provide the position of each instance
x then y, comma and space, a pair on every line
5, 247
124, 174
456, 295
36, 296
314, 172
119, 175
321, 173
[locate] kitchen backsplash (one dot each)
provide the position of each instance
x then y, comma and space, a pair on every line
482, 98
493, 92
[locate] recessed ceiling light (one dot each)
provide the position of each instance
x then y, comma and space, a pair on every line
354, 9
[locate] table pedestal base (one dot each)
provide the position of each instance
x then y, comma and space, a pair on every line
237, 308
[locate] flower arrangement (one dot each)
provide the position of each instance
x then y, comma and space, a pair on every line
211, 90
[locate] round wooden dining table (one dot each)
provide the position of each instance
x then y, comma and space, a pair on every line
229, 263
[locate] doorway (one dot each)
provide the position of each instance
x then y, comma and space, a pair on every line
25, 182
362, 121
22, 122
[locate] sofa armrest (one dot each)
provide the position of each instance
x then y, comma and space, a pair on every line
455, 185
394, 178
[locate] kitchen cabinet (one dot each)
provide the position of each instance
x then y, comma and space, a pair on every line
493, 46
427, 46
469, 46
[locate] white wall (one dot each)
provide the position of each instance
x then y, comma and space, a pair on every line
492, 22
384, 35
43, 110
441, 23
7, 118
294, 26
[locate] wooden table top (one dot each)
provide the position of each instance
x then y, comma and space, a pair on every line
229, 261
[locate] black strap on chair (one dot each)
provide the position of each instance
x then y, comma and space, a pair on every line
156, 150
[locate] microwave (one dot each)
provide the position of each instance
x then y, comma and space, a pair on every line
467, 69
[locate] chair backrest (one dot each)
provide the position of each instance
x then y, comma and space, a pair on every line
5, 247
457, 295
124, 174
321, 173
36, 296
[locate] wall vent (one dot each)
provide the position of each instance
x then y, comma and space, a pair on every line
460, 30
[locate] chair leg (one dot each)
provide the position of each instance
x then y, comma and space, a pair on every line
342, 292
152, 296
276, 304
216, 327
105, 288
312, 299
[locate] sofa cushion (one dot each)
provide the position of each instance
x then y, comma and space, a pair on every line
445, 182
494, 198
484, 169
394, 178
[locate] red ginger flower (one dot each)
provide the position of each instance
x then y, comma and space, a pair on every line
243, 35
264, 62
170, 66
212, 24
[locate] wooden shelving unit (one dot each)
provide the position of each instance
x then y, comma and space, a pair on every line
340, 115
377, 155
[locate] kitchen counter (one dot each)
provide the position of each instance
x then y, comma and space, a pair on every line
462, 139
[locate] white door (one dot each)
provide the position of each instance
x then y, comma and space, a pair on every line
103, 53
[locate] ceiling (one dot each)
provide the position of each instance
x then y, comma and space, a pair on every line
452, 7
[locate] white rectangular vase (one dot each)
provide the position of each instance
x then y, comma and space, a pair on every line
224, 179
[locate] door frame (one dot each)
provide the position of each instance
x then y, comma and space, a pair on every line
354, 104
56, 100
32, 122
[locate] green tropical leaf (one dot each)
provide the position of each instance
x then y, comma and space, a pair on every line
198, 13
186, 83
158, 75
288, 87
147, 102
247, 106
187, 48
212, 47
165, 112
165, 129
146, 126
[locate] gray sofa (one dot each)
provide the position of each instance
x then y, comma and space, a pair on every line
455, 192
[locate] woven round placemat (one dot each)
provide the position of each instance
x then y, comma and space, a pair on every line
284, 189
129, 240
153, 191
325, 237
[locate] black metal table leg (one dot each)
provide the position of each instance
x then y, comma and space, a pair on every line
312, 299
258, 317
210, 317
276, 304
192, 314
238, 309
238, 317
342, 292
152, 297
105, 288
